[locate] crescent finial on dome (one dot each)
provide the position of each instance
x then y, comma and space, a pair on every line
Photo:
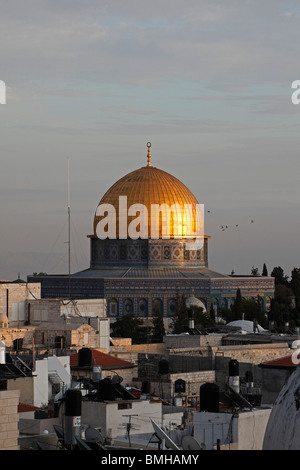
149, 154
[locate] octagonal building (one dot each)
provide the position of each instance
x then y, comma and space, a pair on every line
136, 273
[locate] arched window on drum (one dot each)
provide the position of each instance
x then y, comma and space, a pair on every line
128, 306
143, 307
172, 307
215, 303
157, 306
113, 307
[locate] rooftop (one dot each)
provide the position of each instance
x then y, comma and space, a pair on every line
106, 361
285, 362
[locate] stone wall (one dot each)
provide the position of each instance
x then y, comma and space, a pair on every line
84, 335
8, 335
127, 374
55, 311
176, 342
150, 348
13, 297
164, 386
25, 388
9, 418
254, 353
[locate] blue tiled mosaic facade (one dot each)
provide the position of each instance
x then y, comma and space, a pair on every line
138, 289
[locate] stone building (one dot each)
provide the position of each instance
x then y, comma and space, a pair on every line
65, 324
13, 296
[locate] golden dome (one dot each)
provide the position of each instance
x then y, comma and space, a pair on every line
151, 186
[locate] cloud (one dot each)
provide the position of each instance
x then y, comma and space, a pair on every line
207, 82
142, 43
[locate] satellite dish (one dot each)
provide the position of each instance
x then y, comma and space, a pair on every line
93, 435
189, 443
116, 379
163, 436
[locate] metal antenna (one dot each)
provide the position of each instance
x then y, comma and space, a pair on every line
69, 229
129, 426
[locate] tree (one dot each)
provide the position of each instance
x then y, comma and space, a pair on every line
180, 317
264, 271
226, 314
253, 309
254, 271
129, 326
295, 286
180, 320
284, 295
158, 331
212, 313
202, 318
279, 276
237, 307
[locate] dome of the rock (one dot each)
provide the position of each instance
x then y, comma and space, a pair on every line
153, 188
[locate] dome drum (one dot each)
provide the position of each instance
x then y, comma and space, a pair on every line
146, 253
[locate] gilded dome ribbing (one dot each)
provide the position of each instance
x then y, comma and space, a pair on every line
148, 186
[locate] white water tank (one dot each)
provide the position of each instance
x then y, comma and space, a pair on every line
97, 373
2, 352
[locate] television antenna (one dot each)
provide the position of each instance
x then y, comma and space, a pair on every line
129, 426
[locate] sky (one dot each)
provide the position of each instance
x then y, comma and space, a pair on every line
208, 83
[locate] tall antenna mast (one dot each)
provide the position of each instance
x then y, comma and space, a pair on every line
69, 229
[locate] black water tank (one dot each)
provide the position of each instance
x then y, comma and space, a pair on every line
84, 357
18, 343
179, 386
59, 342
233, 368
40, 414
209, 397
73, 402
146, 386
163, 367
106, 390
249, 376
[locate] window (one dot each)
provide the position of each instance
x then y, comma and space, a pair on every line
128, 306
172, 306
142, 307
158, 306
124, 406
113, 307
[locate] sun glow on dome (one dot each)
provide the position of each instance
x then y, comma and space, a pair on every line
152, 187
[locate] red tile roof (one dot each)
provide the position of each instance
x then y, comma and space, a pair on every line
22, 407
106, 361
285, 362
